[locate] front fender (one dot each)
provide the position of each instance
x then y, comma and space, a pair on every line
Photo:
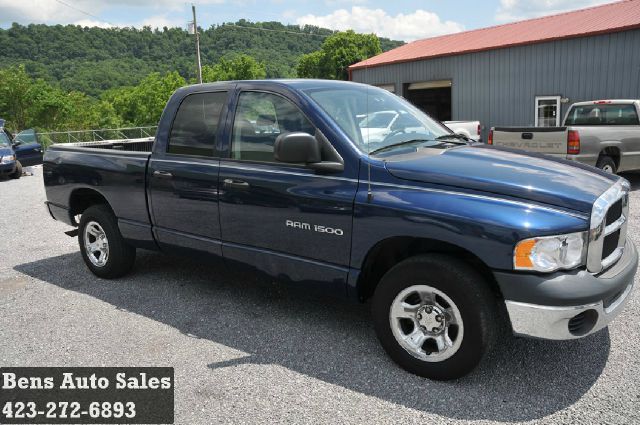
486, 225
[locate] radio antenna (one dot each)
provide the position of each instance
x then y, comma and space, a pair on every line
369, 192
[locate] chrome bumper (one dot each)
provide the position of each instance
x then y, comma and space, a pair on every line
548, 322
576, 321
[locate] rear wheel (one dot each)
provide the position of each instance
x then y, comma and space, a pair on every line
103, 248
435, 316
18, 172
606, 164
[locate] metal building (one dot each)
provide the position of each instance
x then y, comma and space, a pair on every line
522, 74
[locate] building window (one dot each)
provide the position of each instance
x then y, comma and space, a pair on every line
547, 111
388, 87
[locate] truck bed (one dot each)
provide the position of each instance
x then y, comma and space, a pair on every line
116, 169
124, 145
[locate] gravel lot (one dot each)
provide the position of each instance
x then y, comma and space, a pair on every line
250, 352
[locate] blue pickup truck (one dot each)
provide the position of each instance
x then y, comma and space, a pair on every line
448, 240
16, 152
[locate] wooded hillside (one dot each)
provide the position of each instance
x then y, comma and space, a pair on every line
93, 60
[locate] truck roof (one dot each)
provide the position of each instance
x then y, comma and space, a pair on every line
295, 84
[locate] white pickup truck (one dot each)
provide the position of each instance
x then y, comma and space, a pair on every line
602, 133
469, 129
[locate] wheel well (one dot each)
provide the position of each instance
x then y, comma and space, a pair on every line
81, 199
389, 252
612, 152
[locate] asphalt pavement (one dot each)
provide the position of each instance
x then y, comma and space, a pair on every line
246, 351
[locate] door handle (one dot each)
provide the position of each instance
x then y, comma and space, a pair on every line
162, 174
236, 184
527, 136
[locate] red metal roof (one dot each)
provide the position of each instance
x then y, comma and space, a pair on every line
613, 17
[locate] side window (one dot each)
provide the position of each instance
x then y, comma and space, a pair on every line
260, 119
196, 124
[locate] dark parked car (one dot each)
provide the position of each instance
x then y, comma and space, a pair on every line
23, 150
440, 234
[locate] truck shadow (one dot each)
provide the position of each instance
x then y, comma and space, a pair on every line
333, 340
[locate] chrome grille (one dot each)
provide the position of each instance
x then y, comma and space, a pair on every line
608, 227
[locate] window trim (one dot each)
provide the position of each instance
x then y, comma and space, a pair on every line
557, 98
233, 124
215, 153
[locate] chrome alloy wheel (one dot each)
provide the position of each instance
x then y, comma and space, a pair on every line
426, 323
96, 244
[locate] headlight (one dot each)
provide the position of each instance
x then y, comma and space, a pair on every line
7, 159
550, 253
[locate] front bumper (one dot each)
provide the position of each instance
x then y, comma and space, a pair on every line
8, 168
568, 305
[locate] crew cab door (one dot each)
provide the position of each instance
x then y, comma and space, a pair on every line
283, 219
183, 179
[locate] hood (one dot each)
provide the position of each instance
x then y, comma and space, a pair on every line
507, 172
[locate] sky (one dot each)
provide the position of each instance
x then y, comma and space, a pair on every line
401, 19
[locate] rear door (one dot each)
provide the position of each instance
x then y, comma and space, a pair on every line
183, 180
27, 148
283, 219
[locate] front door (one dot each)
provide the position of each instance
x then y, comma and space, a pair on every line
183, 180
283, 219
27, 148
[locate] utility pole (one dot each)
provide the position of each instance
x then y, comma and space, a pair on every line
197, 34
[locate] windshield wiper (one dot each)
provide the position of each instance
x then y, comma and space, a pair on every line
394, 145
463, 139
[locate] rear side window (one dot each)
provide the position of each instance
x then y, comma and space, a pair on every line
196, 124
603, 114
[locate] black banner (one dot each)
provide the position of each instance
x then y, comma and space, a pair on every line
86, 395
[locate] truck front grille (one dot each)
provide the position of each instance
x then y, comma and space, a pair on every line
608, 227
614, 212
610, 244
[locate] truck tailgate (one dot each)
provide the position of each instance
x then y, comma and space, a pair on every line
551, 140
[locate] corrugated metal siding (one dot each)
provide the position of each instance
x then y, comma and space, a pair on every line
498, 87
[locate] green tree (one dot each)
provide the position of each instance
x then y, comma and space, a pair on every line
337, 53
15, 90
240, 67
143, 104
312, 65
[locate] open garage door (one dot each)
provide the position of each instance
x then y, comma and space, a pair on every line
433, 97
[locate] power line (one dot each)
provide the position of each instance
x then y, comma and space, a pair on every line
82, 11
272, 30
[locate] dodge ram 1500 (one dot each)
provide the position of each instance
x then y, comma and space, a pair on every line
449, 240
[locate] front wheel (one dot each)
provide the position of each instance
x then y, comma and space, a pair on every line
435, 316
103, 248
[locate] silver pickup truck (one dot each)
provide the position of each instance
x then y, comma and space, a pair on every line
602, 133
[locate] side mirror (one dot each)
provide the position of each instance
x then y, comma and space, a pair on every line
297, 148
303, 148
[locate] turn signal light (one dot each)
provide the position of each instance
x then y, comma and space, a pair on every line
573, 142
522, 257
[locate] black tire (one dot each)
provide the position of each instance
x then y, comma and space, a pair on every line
469, 292
121, 255
18, 172
607, 164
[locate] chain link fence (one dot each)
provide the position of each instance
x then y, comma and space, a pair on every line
48, 139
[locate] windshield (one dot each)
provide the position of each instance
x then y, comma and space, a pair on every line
4, 139
362, 111
378, 120
603, 114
